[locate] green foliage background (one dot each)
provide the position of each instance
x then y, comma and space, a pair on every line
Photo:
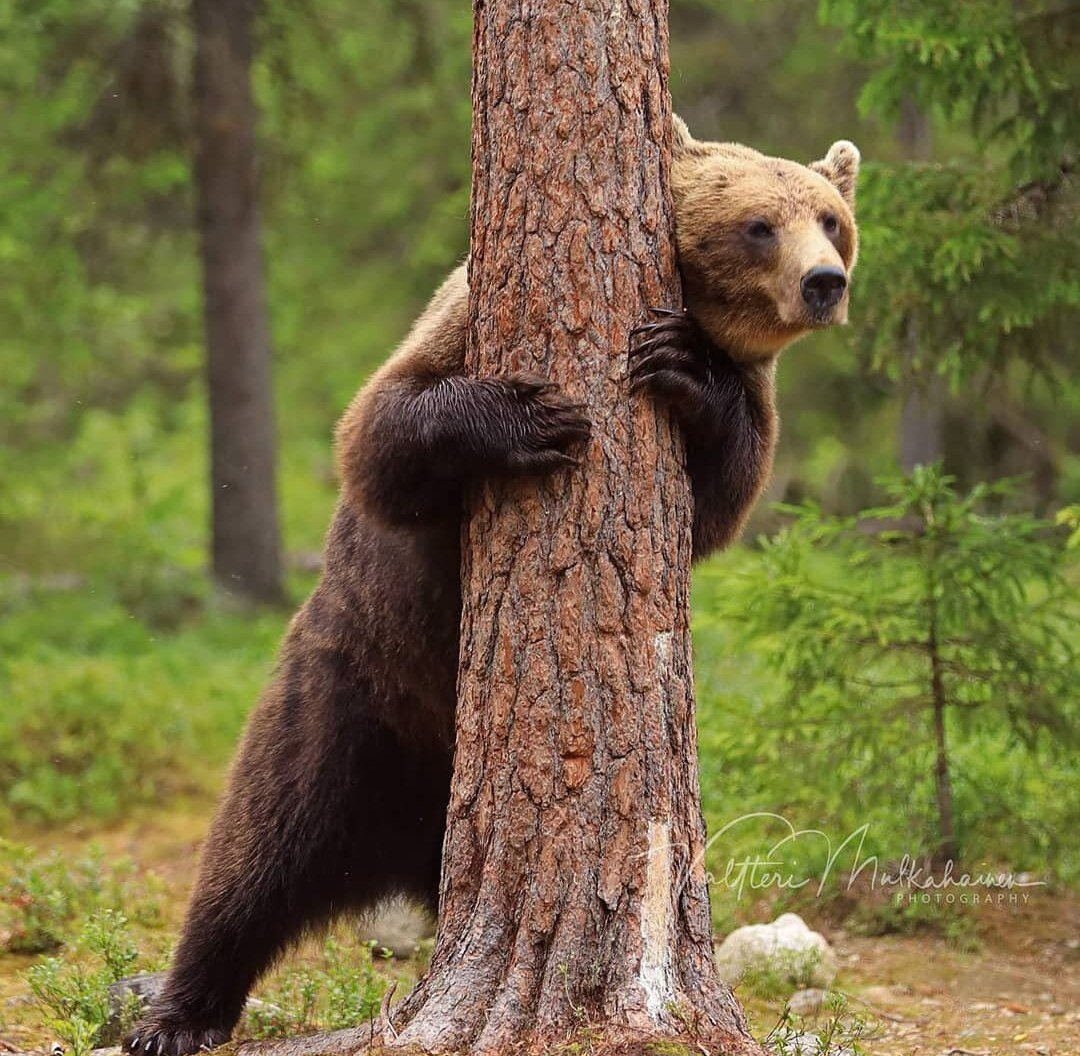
123, 680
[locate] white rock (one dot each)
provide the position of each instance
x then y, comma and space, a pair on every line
786, 947
807, 1002
398, 927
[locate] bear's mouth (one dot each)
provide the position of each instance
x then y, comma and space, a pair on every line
822, 318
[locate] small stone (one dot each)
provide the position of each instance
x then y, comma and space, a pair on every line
127, 996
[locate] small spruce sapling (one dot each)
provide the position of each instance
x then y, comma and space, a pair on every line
900, 629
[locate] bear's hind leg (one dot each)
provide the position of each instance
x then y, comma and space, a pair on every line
245, 910
281, 854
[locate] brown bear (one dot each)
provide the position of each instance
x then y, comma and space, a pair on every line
338, 794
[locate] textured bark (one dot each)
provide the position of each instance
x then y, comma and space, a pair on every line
246, 541
574, 895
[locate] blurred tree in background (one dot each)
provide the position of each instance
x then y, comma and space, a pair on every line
245, 543
364, 136
109, 642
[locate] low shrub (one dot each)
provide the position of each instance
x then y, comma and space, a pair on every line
44, 901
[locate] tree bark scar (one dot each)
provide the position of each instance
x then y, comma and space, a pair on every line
655, 974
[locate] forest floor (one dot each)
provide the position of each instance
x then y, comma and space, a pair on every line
1013, 990
1016, 992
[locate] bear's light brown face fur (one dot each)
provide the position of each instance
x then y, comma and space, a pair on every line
757, 236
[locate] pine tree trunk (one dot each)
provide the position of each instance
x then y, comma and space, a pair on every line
574, 894
246, 543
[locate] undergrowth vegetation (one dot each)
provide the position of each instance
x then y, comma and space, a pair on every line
842, 1032
340, 986
73, 991
336, 983
46, 900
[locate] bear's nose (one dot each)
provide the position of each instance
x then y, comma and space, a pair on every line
823, 286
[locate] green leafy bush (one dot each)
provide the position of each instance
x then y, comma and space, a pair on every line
74, 991
89, 738
816, 661
903, 916
949, 622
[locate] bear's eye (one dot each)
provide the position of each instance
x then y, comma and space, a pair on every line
830, 223
760, 229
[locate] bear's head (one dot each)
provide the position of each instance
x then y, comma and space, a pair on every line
766, 246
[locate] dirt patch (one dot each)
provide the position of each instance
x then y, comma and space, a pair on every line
1017, 993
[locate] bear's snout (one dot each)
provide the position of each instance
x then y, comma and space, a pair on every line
823, 287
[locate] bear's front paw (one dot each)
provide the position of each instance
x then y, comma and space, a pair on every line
151, 1038
545, 425
668, 359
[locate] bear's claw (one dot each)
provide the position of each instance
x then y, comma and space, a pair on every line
150, 1040
667, 358
546, 422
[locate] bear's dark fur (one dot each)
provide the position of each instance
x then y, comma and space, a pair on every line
338, 794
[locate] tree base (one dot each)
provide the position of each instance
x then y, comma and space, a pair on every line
721, 1032
592, 1041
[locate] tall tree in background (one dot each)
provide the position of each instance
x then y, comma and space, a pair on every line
921, 439
574, 895
246, 540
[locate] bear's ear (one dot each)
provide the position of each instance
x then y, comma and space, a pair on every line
841, 168
682, 143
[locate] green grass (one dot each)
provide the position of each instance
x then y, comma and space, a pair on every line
73, 991
70, 925
338, 984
